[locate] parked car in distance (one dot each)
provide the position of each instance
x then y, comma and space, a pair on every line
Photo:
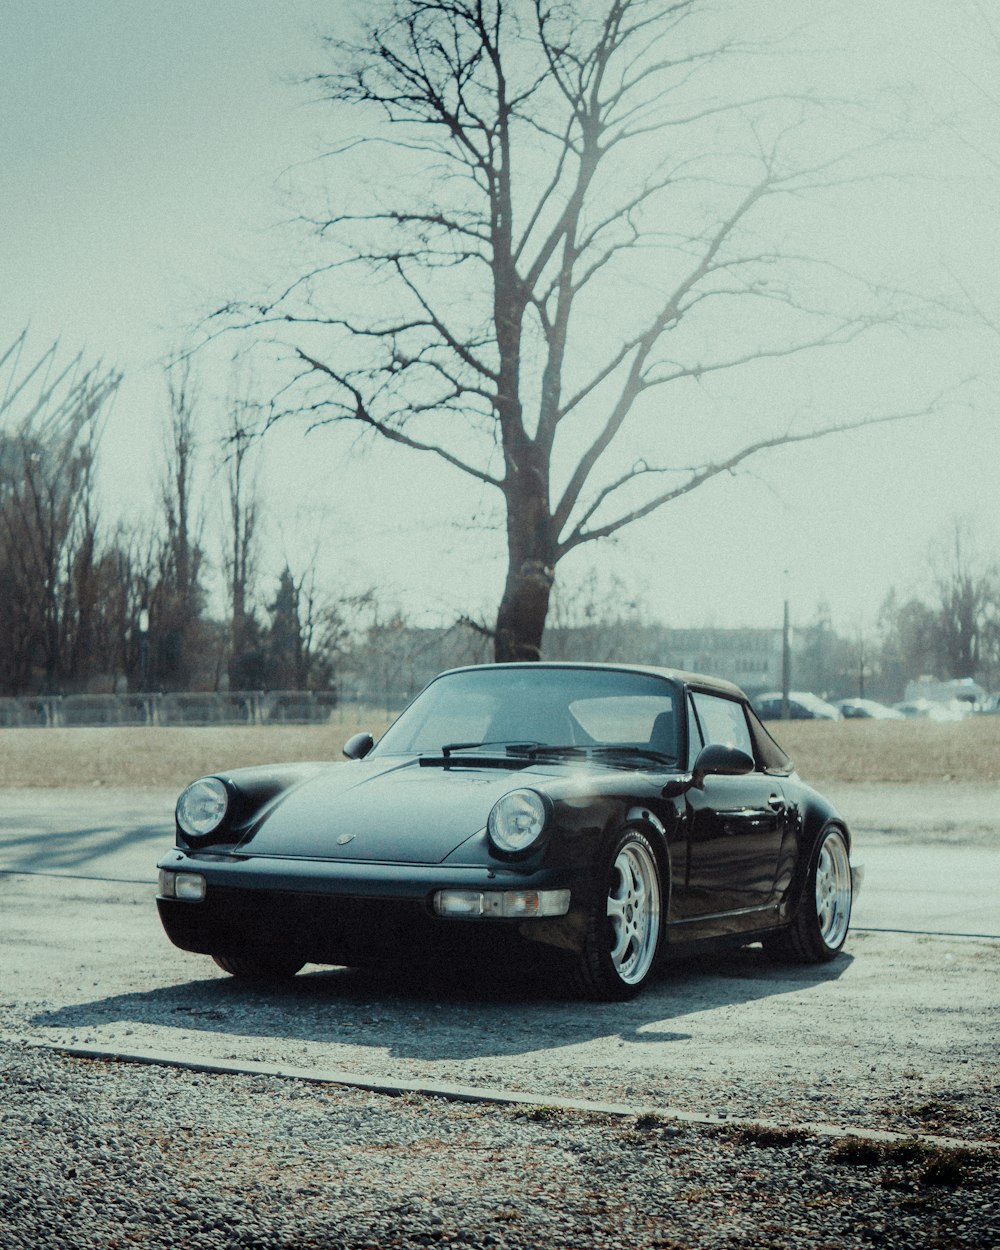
581, 819
932, 709
802, 705
866, 709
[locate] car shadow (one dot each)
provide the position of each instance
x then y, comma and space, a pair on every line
453, 1014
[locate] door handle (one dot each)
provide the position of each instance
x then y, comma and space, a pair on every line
776, 803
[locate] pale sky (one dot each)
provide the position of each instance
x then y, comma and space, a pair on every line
145, 152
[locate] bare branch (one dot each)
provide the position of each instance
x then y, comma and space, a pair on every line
697, 476
360, 412
633, 382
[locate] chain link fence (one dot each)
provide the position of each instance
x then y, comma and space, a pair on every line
240, 707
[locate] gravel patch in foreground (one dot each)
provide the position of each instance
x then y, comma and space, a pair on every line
115, 1155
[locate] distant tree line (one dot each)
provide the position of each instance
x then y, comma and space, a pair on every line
949, 630
92, 606
952, 631
61, 591
89, 606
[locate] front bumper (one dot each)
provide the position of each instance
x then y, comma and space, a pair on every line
353, 913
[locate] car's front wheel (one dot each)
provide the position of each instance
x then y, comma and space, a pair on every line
259, 967
624, 922
819, 928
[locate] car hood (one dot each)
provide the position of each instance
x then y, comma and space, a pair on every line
397, 813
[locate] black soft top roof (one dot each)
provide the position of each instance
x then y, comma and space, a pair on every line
699, 681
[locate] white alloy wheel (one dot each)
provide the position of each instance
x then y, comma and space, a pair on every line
818, 929
624, 928
833, 890
634, 911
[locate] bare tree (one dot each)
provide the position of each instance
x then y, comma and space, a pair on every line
593, 619
128, 568
52, 414
240, 557
310, 629
966, 620
395, 658
176, 600
567, 221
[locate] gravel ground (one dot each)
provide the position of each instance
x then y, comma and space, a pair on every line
111, 1155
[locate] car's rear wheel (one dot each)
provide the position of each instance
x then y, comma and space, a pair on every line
624, 922
259, 967
819, 928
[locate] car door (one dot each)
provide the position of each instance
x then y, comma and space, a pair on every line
736, 826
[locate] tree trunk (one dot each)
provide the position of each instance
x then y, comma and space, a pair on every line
530, 561
521, 619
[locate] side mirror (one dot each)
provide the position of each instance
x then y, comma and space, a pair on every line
717, 760
357, 748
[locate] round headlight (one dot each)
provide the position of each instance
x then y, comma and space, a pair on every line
202, 807
517, 821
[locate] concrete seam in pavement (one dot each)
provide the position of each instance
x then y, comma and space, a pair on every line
502, 1097
990, 937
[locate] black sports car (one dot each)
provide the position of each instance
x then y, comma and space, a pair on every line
585, 817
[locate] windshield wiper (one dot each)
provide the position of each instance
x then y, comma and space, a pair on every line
637, 753
496, 752
600, 752
536, 750
511, 748
527, 750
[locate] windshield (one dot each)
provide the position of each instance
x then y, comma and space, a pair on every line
513, 706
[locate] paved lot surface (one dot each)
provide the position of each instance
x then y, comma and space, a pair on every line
899, 1034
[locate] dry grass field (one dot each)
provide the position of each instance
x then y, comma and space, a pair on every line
844, 751
898, 751
154, 757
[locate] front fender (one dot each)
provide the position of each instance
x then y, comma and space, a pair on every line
584, 839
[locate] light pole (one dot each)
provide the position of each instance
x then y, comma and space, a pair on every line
786, 654
143, 649
861, 665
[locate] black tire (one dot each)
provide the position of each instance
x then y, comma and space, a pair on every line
624, 931
819, 927
260, 968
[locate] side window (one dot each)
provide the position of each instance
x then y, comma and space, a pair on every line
723, 720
